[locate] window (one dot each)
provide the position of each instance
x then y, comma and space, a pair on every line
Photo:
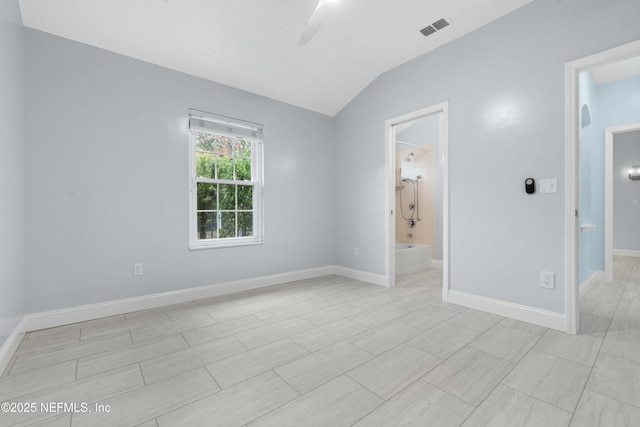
226, 181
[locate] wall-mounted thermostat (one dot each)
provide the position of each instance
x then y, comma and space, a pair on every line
530, 185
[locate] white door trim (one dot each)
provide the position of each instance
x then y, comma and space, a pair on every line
572, 69
608, 194
389, 196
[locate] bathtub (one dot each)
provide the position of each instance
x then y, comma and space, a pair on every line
410, 257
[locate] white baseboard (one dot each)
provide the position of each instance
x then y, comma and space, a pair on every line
50, 319
587, 284
435, 263
626, 252
374, 279
10, 345
548, 319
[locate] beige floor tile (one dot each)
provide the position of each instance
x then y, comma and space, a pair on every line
137, 406
262, 335
241, 367
102, 362
551, 379
576, 348
374, 300
309, 372
235, 406
35, 380
324, 336
340, 402
75, 326
420, 404
216, 331
444, 339
616, 378
385, 337
30, 361
596, 410
504, 342
508, 407
177, 362
593, 326
469, 374
389, 373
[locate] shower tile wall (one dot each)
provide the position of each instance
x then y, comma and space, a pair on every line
424, 231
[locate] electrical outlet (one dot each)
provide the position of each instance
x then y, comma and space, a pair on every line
355, 250
137, 269
547, 280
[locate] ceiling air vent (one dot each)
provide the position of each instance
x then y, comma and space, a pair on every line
436, 26
440, 24
428, 30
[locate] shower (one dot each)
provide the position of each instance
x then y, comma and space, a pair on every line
413, 206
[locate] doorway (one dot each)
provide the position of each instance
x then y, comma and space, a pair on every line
408, 178
577, 220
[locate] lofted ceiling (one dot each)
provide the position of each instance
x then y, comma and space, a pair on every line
253, 44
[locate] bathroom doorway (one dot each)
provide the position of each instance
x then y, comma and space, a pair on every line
416, 199
594, 85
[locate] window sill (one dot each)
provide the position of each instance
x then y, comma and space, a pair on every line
199, 247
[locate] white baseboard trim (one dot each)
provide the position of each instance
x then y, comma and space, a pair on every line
548, 319
587, 284
626, 252
51, 319
10, 345
435, 263
374, 279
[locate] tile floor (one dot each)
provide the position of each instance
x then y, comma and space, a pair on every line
336, 352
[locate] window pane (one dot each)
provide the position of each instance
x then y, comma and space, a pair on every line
205, 165
227, 197
207, 196
205, 142
224, 146
207, 225
243, 169
245, 224
245, 197
225, 168
243, 148
227, 224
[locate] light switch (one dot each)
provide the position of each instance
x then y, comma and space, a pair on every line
549, 185
635, 202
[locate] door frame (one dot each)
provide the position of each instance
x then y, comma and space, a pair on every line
609, 133
389, 195
572, 69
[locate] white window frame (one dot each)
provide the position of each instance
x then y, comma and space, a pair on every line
256, 175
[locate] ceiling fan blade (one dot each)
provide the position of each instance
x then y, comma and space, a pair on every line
314, 23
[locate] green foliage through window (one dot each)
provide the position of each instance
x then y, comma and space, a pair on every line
225, 204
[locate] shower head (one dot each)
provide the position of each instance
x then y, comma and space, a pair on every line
409, 157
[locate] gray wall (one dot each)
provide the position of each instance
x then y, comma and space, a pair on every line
626, 216
107, 178
12, 285
505, 84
